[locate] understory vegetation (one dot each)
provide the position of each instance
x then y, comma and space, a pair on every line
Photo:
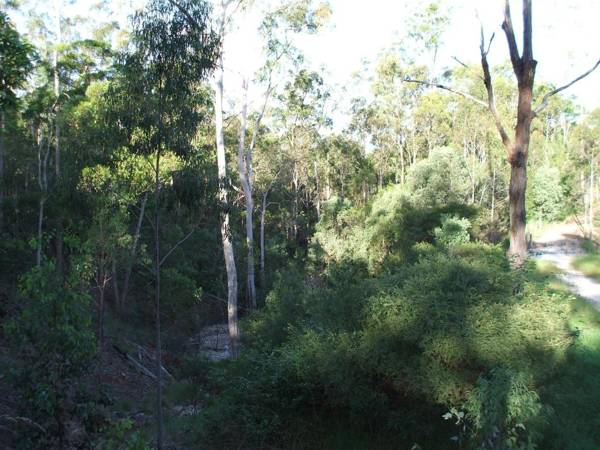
450, 338
588, 264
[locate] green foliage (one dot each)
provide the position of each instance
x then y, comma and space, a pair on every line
181, 293
454, 231
121, 435
15, 61
456, 329
383, 234
440, 179
588, 264
53, 332
504, 411
389, 320
546, 194
573, 392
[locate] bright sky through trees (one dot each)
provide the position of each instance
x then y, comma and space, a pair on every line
565, 40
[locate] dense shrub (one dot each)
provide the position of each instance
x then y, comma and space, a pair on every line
546, 194
54, 336
457, 329
440, 179
382, 235
504, 412
453, 231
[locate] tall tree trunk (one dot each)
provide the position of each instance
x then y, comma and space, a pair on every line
159, 409
115, 278
263, 212
585, 196
524, 66
40, 230
318, 185
519, 151
516, 197
296, 204
43, 185
102, 280
244, 165
402, 179
134, 246
232, 306
2, 180
493, 206
57, 157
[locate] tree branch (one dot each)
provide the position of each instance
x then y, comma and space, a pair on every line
185, 12
546, 97
449, 89
257, 126
512, 41
527, 33
164, 258
25, 420
489, 87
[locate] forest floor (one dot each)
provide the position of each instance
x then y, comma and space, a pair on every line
560, 244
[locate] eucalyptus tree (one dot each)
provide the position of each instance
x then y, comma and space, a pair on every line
517, 147
300, 116
426, 27
175, 50
277, 29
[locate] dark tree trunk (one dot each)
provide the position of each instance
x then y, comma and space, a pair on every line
136, 239
2, 181
516, 195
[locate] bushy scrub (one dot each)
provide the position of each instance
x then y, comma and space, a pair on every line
398, 320
440, 179
504, 412
588, 264
454, 231
456, 329
546, 194
54, 335
382, 235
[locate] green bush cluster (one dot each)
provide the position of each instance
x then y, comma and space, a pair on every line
453, 231
456, 329
398, 323
53, 333
383, 234
546, 195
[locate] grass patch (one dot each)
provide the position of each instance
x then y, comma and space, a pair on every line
588, 264
574, 392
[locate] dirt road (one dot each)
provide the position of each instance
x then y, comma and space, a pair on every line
559, 245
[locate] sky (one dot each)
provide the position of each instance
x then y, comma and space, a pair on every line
566, 41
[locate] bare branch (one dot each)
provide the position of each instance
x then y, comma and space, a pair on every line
490, 43
527, 33
466, 66
546, 97
460, 62
507, 26
449, 89
185, 238
489, 87
261, 114
25, 420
